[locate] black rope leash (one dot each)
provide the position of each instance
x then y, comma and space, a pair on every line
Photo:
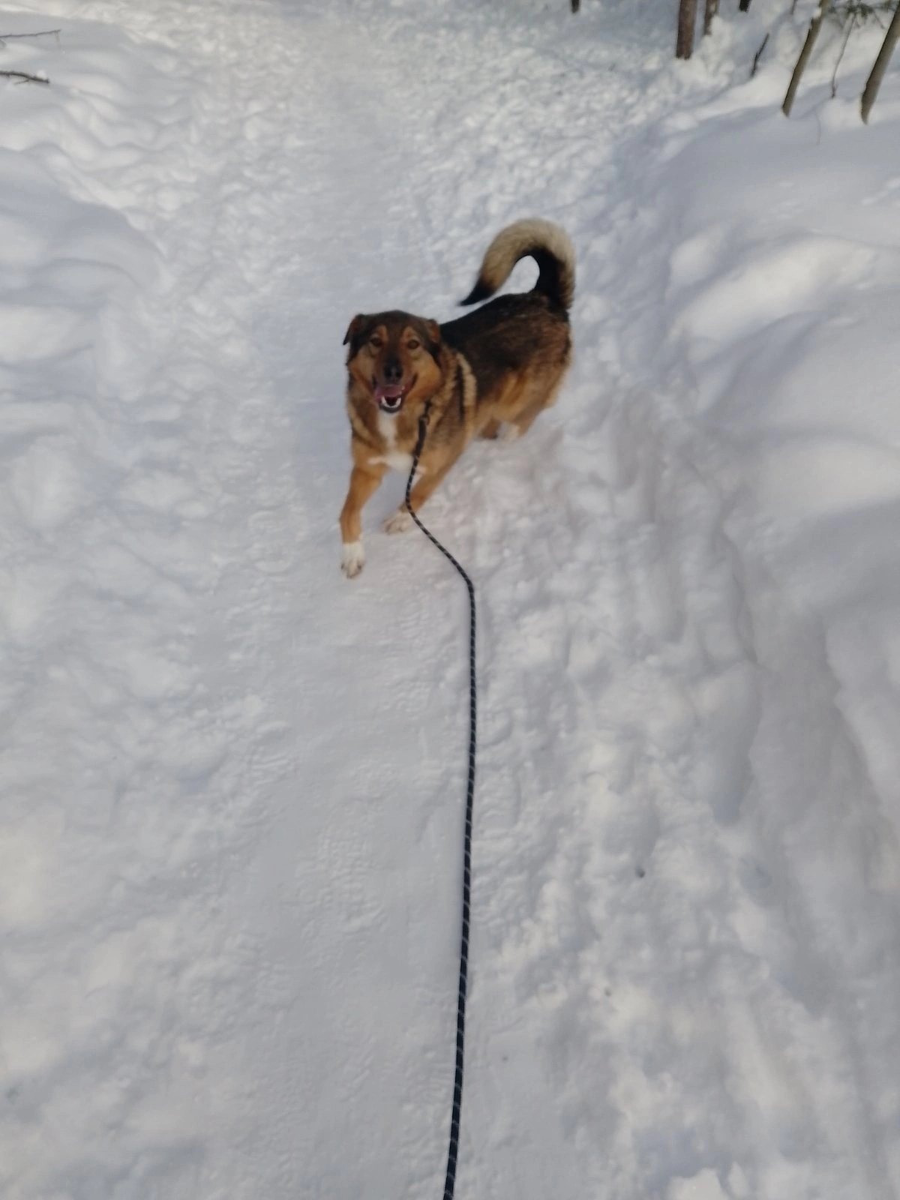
453, 1150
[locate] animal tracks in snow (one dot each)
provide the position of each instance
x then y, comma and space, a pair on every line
230, 868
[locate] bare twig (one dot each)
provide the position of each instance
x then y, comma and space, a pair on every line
863, 9
814, 26
758, 55
8, 37
711, 9
24, 77
873, 83
850, 25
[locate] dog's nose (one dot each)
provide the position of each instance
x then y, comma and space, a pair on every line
393, 371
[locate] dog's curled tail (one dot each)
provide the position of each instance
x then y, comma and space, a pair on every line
549, 246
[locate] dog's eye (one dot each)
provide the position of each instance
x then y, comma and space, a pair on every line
413, 344
376, 343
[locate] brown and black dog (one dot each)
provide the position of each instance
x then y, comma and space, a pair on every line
503, 363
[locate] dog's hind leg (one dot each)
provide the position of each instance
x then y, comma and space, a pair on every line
532, 409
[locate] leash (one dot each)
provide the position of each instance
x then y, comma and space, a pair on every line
453, 1149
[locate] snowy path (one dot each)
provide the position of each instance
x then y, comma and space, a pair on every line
232, 948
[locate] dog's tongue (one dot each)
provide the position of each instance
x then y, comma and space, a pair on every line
388, 391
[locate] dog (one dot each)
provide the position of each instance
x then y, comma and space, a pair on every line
498, 366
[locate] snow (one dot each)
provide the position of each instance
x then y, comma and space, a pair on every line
233, 780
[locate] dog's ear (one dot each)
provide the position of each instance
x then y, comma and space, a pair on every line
434, 338
353, 328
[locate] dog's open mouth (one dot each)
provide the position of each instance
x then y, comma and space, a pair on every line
390, 396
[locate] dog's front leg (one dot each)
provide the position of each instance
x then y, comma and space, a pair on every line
364, 482
400, 521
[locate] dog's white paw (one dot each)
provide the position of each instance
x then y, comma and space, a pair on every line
509, 432
352, 558
398, 522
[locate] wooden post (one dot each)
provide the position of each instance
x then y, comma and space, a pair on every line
687, 19
814, 26
873, 83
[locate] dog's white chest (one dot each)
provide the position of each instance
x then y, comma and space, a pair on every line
393, 458
398, 461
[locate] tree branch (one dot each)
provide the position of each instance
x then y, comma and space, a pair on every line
758, 55
24, 77
850, 25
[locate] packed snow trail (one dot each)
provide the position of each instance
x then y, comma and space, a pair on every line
232, 887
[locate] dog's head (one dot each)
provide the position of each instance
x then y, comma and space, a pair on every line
394, 357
